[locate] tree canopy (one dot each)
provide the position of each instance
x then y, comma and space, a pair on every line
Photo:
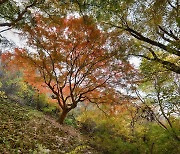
150, 29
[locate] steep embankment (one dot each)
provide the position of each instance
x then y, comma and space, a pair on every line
23, 130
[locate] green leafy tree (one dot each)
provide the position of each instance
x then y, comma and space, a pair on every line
146, 29
162, 94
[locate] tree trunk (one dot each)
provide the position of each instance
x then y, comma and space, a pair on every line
63, 116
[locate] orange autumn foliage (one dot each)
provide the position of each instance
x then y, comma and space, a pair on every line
70, 59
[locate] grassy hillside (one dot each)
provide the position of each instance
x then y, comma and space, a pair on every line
23, 130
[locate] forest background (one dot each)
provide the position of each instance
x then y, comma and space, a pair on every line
74, 63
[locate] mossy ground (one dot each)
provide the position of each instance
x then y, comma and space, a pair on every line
24, 130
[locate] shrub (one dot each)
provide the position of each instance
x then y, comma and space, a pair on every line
71, 120
112, 135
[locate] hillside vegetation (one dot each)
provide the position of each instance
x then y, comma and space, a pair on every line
24, 130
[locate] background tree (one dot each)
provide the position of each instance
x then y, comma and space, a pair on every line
146, 29
161, 89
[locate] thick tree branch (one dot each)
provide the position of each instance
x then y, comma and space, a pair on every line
139, 36
168, 65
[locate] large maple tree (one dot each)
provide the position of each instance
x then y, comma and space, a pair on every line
74, 60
